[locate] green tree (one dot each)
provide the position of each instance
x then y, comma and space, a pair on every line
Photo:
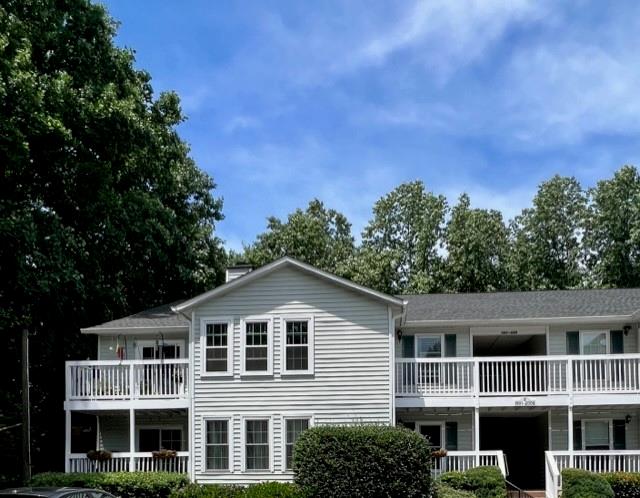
102, 211
408, 223
612, 237
318, 236
546, 248
477, 243
373, 269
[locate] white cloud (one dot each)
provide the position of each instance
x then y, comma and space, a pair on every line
238, 123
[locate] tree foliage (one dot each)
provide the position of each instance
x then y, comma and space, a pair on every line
612, 237
318, 236
407, 225
477, 243
102, 210
546, 252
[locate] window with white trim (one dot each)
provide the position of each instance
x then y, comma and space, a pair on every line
297, 345
256, 444
217, 444
257, 347
597, 435
218, 347
293, 428
156, 438
594, 342
428, 346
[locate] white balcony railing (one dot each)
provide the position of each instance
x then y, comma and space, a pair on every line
518, 375
464, 460
125, 462
127, 379
593, 461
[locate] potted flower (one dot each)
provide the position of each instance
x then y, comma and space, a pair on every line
439, 453
99, 455
164, 454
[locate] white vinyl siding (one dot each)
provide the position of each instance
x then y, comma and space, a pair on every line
351, 377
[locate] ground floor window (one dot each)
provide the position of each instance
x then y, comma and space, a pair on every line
256, 449
154, 439
217, 445
596, 435
293, 428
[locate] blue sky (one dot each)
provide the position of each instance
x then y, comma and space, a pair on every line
291, 100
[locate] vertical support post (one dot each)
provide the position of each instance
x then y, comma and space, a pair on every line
476, 434
132, 440
26, 409
570, 433
67, 440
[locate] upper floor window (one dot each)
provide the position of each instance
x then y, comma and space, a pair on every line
257, 346
429, 346
593, 342
159, 349
297, 344
218, 347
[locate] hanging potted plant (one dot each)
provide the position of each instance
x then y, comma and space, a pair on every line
439, 453
164, 454
99, 455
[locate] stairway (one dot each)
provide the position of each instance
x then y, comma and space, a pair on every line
535, 494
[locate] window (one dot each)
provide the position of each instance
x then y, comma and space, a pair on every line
257, 444
428, 346
256, 339
154, 439
593, 342
159, 350
596, 435
217, 444
293, 428
218, 347
297, 345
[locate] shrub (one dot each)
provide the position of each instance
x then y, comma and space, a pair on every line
443, 490
208, 491
123, 484
362, 461
583, 484
483, 482
624, 484
273, 490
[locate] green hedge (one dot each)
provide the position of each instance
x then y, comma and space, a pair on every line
443, 490
483, 482
362, 461
624, 484
582, 484
122, 484
262, 490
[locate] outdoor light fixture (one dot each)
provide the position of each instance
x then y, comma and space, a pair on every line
399, 334
626, 329
627, 419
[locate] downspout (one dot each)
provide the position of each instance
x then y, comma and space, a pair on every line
392, 359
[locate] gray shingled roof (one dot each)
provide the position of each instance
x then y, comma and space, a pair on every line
517, 305
160, 316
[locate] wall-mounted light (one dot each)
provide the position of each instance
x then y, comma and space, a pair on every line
627, 419
399, 334
626, 329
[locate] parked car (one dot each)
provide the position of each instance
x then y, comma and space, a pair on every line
55, 493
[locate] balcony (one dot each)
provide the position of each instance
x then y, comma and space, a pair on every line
523, 376
125, 462
127, 380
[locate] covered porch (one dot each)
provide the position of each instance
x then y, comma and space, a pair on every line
127, 440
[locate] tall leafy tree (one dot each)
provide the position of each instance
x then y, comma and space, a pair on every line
318, 236
102, 211
612, 238
407, 224
477, 243
547, 251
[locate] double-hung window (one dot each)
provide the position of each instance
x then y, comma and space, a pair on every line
297, 345
257, 346
293, 428
596, 435
257, 444
217, 445
217, 346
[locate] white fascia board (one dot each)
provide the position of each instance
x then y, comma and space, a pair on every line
287, 261
153, 329
519, 321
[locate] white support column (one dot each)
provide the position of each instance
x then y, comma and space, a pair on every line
67, 441
476, 433
132, 439
570, 427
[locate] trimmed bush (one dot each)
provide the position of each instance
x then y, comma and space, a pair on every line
483, 482
362, 461
624, 484
122, 484
273, 490
443, 490
262, 490
582, 484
